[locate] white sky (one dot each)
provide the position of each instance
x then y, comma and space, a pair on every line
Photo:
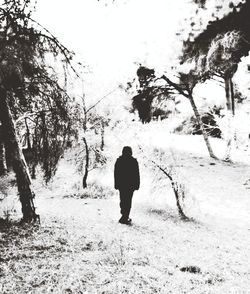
110, 39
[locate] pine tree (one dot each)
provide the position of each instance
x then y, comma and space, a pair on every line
30, 89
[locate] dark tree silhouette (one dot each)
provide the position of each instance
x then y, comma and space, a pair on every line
143, 101
147, 93
237, 20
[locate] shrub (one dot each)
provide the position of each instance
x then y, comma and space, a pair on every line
93, 191
209, 119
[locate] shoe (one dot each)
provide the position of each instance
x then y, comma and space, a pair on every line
125, 222
129, 220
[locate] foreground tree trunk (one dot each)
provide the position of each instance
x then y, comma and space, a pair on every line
230, 116
17, 159
200, 123
84, 180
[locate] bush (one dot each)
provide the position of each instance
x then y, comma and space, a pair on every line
190, 125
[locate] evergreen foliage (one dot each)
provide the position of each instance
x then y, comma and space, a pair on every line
236, 21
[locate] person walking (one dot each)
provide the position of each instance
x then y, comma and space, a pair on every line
127, 180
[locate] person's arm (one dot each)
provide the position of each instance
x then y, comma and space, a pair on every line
116, 175
137, 174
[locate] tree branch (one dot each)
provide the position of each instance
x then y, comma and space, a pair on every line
174, 85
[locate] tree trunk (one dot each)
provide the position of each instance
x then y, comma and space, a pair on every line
102, 135
232, 96
177, 197
203, 130
85, 176
8, 160
177, 192
230, 115
28, 135
17, 159
5, 158
84, 180
3, 168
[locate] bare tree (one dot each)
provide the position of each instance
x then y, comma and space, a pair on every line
95, 122
177, 189
176, 186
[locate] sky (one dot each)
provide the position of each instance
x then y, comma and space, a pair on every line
113, 39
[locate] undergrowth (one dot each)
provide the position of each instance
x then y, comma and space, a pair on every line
93, 191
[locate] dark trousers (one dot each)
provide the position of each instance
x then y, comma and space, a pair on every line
125, 202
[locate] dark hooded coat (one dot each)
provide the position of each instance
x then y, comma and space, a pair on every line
127, 176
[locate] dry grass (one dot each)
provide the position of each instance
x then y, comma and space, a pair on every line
81, 248
87, 251
94, 191
52, 259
